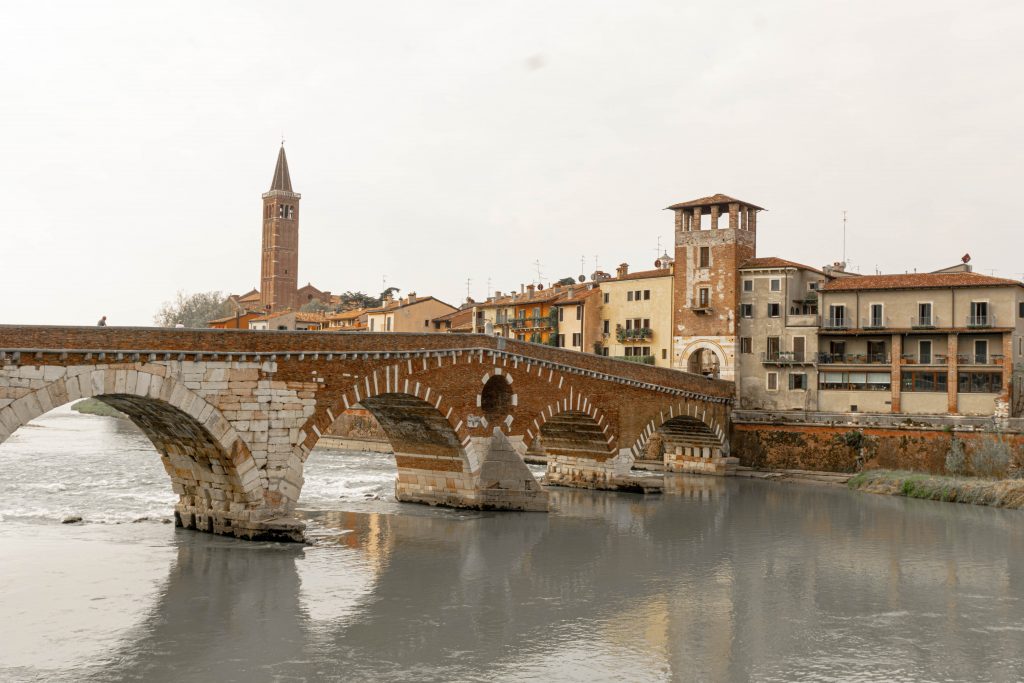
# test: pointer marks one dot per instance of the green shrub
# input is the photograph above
(991, 457)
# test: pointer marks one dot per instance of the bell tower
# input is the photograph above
(279, 263)
(706, 297)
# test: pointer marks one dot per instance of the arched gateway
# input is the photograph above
(234, 414)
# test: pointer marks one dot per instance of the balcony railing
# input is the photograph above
(854, 358)
(786, 357)
(916, 359)
(925, 322)
(980, 359)
(874, 323)
(981, 320)
(634, 334)
(835, 323)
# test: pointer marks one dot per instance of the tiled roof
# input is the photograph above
(712, 201)
(642, 274)
(539, 297)
(917, 281)
(347, 315)
(310, 317)
(402, 303)
(229, 318)
(577, 296)
(775, 262)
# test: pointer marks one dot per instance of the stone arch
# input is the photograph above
(210, 466)
(696, 349)
(685, 418)
(497, 385)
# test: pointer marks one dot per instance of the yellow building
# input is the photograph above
(636, 315)
(527, 316)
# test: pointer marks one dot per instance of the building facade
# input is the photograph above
(579, 318)
(409, 314)
(921, 343)
(778, 335)
(706, 297)
(636, 314)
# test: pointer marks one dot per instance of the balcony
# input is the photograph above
(924, 322)
(980, 359)
(874, 323)
(802, 320)
(981, 320)
(528, 322)
(636, 334)
(835, 323)
(854, 359)
(932, 359)
(786, 358)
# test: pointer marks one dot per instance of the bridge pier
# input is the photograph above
(500, 480)
(599, 471)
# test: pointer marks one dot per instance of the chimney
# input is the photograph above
(622, 270)
(412, 297)
(522, 288)
(497, 294)
(529, 291)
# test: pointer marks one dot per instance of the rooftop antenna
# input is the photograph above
(282, 137)
(539, 276)
(844, 236)
(583, 263)
(488, 286)
(657, 251)
(468, 283)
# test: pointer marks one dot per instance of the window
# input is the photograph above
(604, 350)
(636, 295)
(836, 315)
(855, 381)
(773, 381)
(579, 312)
(980, 382)
(576, 337)
(799, 347)
(748, 285)
(703, 297)
(775, 285)
(924, 350)
(606, 326)
(647, 294)
(875, 319)
(387, 324)
(925, 380)
(745, 345)
(924, 314)
(746, 310)
(876, 351)
(980, 351)
(647, 323)
(705, 257)
(798, 380)
(372, 321)
(664, 354)
(536, 313)
(979, 313)
(629, 295)
(1020, 309)
(813, 286)
(561, 341)
(426, 323)
(773, 310)
(772, 346)
(606, 300)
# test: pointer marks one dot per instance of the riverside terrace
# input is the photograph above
(234, 413)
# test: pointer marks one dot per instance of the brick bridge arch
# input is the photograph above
(210, 467)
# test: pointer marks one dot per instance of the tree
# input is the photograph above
(193, 310)
(386, 293)
(315, 306)
(566, 281)
(350, 300)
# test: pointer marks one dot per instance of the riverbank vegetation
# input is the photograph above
(1006, 493)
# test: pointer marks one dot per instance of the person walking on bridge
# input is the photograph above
(102, 322)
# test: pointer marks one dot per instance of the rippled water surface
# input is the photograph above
(715, 580)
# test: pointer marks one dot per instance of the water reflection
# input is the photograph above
(729, 580)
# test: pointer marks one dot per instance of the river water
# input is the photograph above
(718, 579)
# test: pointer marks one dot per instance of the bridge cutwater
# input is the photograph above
(234, 413)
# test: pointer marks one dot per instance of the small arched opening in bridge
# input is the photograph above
(496, 399)
(199, 450)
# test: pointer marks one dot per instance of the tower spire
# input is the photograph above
(282, 179)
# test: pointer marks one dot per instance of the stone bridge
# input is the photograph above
(234, 414)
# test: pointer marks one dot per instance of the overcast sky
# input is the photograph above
(438, 141)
